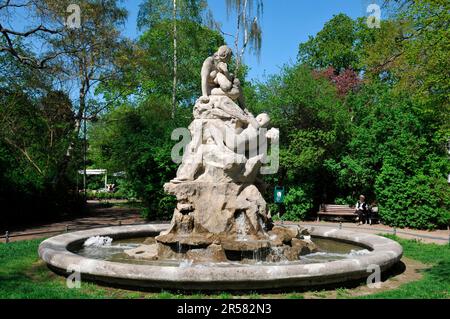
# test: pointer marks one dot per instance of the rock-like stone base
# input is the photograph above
(280, 244)
(207, 212)
(223, 221)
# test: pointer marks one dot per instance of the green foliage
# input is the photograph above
(138, 127)
(349, 200)
(335, 45)
(393, 158)
(154, 73)
(298, 202)
(143, 135)
(147, 65)
(313, 127)
(419, 201)
(34, 136)
(393, 146)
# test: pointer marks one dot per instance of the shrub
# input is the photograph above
(418, 201)
(298, 203)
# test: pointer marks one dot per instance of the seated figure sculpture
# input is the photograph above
(216, 79)
(220, 125)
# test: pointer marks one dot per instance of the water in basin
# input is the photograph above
(328, 250)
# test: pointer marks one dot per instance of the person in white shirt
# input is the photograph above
(362, 209)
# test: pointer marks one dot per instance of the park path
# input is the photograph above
(101, 216)
(441, 237)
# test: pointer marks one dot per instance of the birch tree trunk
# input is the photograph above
(175, 60)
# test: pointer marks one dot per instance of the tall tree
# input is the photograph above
(152, 12)
(76, 59)
(333, 46)
(175, 59)
(12, 38)
(248, 27)
(90, 57)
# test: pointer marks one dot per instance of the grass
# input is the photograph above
(23, 275)
(436, 279)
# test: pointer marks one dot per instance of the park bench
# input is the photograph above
(342, 212)
(336, 212)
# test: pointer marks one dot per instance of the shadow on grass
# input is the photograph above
(440, 271)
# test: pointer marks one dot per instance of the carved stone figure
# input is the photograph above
(220, 207)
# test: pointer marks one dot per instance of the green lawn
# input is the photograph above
(23, 275)
(436, 279)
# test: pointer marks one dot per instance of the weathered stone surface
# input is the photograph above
(189, 240)
(148, 252)
(284, 234)
(149, 241)
(291, 252)
(245, 245)
(55, 252)
(218, 201)
(213, 253)
(304, 246)
(218, 209)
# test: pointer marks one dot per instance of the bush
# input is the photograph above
(349, 200)
(298, 203)
(419, 201)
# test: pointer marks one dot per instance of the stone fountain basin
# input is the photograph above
(56, 252)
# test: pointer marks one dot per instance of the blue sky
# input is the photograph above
(286, 23)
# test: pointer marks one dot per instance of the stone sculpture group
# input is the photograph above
(220, 213)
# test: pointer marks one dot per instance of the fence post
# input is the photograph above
(7, 237)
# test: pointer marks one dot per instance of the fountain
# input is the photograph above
(221, 235)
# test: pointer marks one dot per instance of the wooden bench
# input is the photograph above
(336, 212)
(341, 212)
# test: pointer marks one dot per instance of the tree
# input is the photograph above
(248, 28)
(147, 70)
(175, 59)
(333, 46)
(13, 39)
(412, 52)
(143, 135)
(140, 124)
(391, 146)
(313, 128)
(393, 157)
(89, 58)
(153, 12)
(34, 134)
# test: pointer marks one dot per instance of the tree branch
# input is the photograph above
(25, 153)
